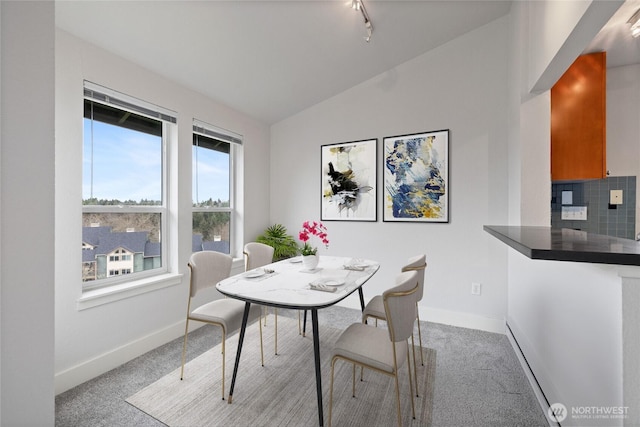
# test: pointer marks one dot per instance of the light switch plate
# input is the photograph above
(615, 197)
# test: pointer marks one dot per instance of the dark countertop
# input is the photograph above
(561, 244)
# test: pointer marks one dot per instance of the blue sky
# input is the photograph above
(127, 165)
(213, 175)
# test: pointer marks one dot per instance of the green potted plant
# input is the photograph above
(284, 245)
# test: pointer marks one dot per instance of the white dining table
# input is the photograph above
(287, 284)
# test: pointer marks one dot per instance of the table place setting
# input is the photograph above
(258, 274)
(356, 264)
(326, 284)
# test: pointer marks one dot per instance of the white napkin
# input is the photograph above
(322, 287)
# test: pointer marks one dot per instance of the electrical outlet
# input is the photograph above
(476, 288)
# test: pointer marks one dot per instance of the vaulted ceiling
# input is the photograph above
(271, 59)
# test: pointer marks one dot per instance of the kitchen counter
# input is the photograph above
(561, 244)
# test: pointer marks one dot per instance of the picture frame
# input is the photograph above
(416, 177)
(349, 181)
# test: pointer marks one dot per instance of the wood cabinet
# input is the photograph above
(578, 120)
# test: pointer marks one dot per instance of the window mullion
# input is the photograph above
(122, 209)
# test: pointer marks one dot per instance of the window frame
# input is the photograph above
(235, 143)
(168, 119)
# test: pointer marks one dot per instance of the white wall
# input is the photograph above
(552, 23)
(623, 124)
(631, 343)
(458, 86)
(567, 317)
(1, 223)
(535, 149)
(560, 31)
(26, 214)
(91, 341)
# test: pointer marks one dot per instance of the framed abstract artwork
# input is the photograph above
(416, 177)
(349, 180)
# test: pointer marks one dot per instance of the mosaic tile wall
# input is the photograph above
(619, 222)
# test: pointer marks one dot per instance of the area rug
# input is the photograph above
(283, 392)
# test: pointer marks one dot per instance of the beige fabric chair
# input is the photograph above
(382, 350)
(207, 269)
(257, 255)
(375, 307)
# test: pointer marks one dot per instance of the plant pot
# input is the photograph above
(310, 262)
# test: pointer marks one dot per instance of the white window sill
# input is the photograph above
(237, 266)
(97, 297)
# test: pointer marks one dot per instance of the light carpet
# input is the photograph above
(283, 392)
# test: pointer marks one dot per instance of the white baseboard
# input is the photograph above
(540, 397)
(90, 369)
(463, 320)
(447, 317)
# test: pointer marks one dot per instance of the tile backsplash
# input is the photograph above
(595, 195)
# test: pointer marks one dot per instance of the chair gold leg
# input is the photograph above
(275, 311)
(398, 395)
(413, 409)
(364, 320)
(184, 348)
(224, 339)
(419, 335)
(333, 362)
(353, 381)
(415, 364)
(261, 347)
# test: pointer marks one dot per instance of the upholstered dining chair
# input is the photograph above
(207, 268)
(378, 349)
(375, 307)
(256, 255)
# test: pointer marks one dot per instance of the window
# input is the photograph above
(212, 188)
(124, 207)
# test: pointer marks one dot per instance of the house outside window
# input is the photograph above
(213, 187)
(124, 193)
